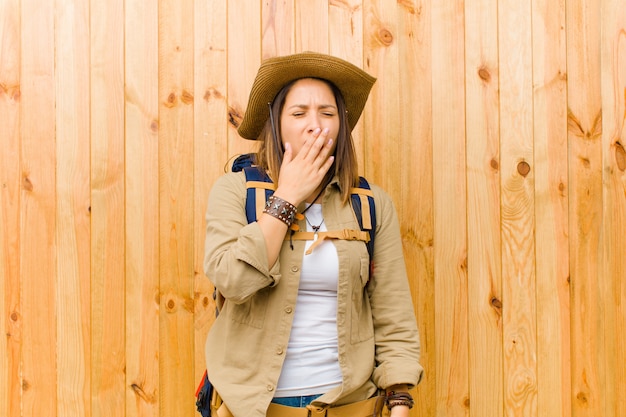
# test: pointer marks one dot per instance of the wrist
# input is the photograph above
(398, 399)
(288, 196)
(281, 209)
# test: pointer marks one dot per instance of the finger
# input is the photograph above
(309, 148)
(287, 155)
(318, 145)
(327, 164)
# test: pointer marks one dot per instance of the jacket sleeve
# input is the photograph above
(235, 257)
(397, 343)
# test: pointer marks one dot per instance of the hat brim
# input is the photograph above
(274, 73)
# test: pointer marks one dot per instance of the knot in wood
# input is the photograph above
(484, 74)
(620, 156)
(171, 100)
(496, 304)
(234, 117)
(385, 36)
(523, 168)
(186, 97)
(27, 184)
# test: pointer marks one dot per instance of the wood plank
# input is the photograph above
(484, 271)
(10, 180)
(380, 117)
(72, 241)
(142, 208)
(450, 228)
(346, 41)
(37, 255)
(108, 370)
(244, 58)
(518, 208)
(551, 208)
(176, 237)
(415, 209)
(311, 25)
(277, 28)
(613, 282)
(210, 150)
(585, 205)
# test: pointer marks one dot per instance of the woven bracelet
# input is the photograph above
(399, 398)
(281, 209)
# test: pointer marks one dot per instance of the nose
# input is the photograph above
(314, 122)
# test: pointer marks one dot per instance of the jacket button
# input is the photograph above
(294, 269)
(279, 351)
(270, 388)
(288, 310)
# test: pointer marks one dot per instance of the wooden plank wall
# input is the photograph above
(498, 127)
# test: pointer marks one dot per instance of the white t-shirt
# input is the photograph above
(311, 364)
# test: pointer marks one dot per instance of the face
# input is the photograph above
(309, 104)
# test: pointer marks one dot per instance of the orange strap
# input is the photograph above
(319, 237)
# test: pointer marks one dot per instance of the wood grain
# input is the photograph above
(415, 175)
(107, 208)
(551, 208)
(381, 61)
(210, 150)
(612, 286)
(585, 209)
(243, 60)
(38, 255)
(449, 205)
(277, 28)
(176, 236)
(10, 184)
(483, 212)
(73, 208)
(345, 28)
(517, 209)
(142, 209)
(311, 25)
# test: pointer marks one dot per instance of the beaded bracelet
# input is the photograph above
(399, 398)
(281, 209)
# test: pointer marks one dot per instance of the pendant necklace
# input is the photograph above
(315, 228)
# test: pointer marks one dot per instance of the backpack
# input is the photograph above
(259, 187)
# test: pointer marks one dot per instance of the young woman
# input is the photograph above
(310, 324)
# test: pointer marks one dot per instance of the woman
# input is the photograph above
(304, 328)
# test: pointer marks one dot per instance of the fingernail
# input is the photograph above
(330, 142)
(317, 131)
(326, 130)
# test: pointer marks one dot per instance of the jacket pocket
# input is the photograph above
(252, 312)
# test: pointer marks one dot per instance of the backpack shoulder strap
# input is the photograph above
(364, 207)
(243, 161)
(259, 187)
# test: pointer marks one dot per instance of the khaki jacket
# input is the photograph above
(378, 340)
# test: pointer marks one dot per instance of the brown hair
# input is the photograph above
(345, 165)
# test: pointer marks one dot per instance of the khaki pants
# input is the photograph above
(373, 407)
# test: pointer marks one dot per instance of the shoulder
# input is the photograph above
(231, 179)
(231, 184)
(380, 195)
(384, 206)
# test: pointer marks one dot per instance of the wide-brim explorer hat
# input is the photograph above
(274, 73)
